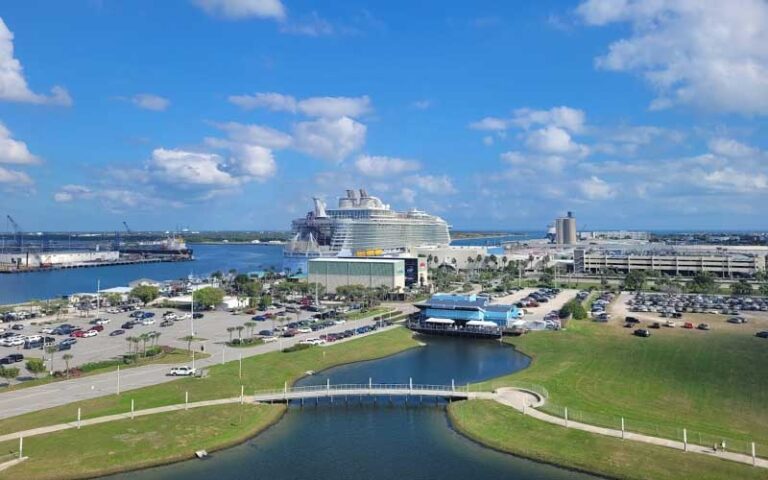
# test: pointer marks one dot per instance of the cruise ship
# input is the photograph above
(361, 226)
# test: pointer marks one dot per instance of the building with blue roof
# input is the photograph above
(463, 309)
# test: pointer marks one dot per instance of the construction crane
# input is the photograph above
(127, 228)
(17, 233)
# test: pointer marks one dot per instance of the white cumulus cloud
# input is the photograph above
(325, 107)
(240, 9)
(256, 135)
(329, 139)
(434, 184)
(273, 101)
(381, 166)
(148, 101)
(711, 54)
(554, 140)
(13, 85)
(190, 168)
(14, 178)
(595, 188)
(729, 147)
(14, 151)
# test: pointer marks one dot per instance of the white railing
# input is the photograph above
(361, 387)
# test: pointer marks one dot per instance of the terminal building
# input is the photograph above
(333, 273)
(677, 260)
(461, 311)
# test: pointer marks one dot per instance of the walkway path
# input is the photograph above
(526, 402)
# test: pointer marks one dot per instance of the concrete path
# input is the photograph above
(18, 402)
(527, 402)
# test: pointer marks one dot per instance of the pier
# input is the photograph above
(65, 266)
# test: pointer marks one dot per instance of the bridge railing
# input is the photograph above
(394, 387)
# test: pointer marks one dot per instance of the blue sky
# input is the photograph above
(232, 114)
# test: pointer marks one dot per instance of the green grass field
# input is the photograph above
(507, 430)
(368, 313)
(260, 372)
(715, 383)
(112, 447)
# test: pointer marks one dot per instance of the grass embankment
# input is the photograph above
(372, 312)
(712, 383)
(507, 430)
(145, 441)
(260, 372)
(176, 355)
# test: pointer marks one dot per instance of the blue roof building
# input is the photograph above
(468, 308)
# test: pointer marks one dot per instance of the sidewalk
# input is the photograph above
(525, 402)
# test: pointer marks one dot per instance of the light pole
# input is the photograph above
(192, 317)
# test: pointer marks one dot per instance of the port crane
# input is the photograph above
(127, 228)
(17, 232)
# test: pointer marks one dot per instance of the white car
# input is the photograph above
(313, 341)
(46, 330)
(268, 339)
(340, 322)
(90, 333)
(113, 310)
(183, 316)
(102, 321)
(148, 321)
(304, 330)
(12, 341)
(183, 371)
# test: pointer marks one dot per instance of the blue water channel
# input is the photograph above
(365, 440)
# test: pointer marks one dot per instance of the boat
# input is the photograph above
(361, 226)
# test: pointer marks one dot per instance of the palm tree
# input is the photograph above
(240, 329)
(230, 330)
(144, 337)
(67, 357)
(136, 341)
(189, 339)
(157, 338)
(504, 261)
(130, 340)
(50, 351)
(250, 326)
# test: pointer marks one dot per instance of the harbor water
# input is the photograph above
(21, 287)
(377, 441)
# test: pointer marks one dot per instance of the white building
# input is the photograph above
(368, 272)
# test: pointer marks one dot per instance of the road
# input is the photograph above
(54, 394)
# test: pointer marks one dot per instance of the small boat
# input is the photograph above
(309, 372)
(201, 454)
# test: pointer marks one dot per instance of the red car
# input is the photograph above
(77, 333)
(98, 328)
(687, 325)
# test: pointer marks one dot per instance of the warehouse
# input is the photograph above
(368, 272)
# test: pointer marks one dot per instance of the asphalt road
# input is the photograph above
(31, 399)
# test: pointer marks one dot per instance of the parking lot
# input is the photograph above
(713, 310)
(210, 331)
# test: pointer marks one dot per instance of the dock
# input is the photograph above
(10, 269)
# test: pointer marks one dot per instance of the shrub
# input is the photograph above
(296, 348)
(574, 309)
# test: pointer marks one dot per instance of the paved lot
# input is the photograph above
(46, 396)
(212, 328)
(537, 313)
(757, 320)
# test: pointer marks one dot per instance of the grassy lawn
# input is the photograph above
(372, 312)
(177, 355)
(266, 371)
(144, 441)
(715, 383)
(505, 429)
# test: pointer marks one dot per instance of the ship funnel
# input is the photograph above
(363, 193)
(350, 194)
(319, 208)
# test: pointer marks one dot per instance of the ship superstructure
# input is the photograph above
(362, 225)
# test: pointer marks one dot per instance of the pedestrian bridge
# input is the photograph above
(370, 389)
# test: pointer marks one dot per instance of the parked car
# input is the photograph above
(656, 325)
(77, 333)
(18, 326)
(642, 332)
(269, 339)
(64, 346)
(265, 333)
(127, 325)
(670, 324)
(98, 328)
(166, 323)
(762, 334)
(703, 326)
(688, 325)
(197, 316)
(47, 330)
(182, 371)
(68, 341)
(90, 333)
(102, 321)
(117, 332)
(737, 320)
